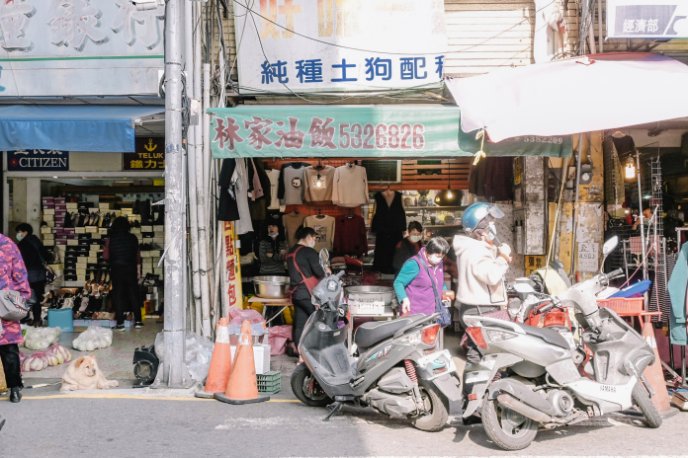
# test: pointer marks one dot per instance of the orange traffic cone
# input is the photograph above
(654, 375)
(242, 387)
(220, 363)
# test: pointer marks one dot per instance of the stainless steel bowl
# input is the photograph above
(370, 293)
(271, 286)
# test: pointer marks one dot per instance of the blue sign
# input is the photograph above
(37, 160)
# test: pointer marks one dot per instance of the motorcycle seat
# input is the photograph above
(548, 335)
(368, 334)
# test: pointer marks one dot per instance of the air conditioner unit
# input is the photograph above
(382, 171)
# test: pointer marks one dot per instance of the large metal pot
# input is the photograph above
(271, 286)
(370, 300)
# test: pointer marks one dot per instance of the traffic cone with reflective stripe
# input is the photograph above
(220, 362)
(242, 387)
(654, 374)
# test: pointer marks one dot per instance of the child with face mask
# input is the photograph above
(420, 277)
(409, 246)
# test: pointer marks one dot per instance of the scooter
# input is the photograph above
(398, 371)
(539, 383)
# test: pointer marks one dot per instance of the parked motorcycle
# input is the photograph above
(398, 370)
(540, 383)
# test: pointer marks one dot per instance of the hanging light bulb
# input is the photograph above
(449, 194)
(629, 168)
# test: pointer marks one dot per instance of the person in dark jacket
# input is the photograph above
(409, 246)
(35, 258)
(272, 252)
(122, 252)
(305, 271)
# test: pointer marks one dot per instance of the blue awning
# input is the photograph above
(96, 128)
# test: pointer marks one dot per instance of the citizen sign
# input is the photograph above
(37, 160)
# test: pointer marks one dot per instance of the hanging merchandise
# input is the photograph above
(291, 184)
(350, 236)
(292, 221)
(350, 186)
(319, 183)
(677, 293)
(324, 229)
(273, 176)
(241, 185)
(492, 178)
(389, 223)
(227, 208)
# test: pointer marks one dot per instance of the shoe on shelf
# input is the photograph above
(119, 327)
(15, 395)
(138, 325)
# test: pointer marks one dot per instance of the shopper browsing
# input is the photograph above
(13, 276)
(35, 258)
(305, 272)
(409, 246)
(421, 279)
(122, 252)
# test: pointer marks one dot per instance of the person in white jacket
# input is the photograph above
(482, 263)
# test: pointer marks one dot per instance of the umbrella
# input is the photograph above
(582, 94)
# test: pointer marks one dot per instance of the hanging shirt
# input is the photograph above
(350, 186)
(274, 176)
(240, 180)
(291, 184)
(319, 184)
(324, 229)
(292, 221)
(350, 236)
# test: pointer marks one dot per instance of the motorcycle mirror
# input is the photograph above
(607, 248)
(609, 245)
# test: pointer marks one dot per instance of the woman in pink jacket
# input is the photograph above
(13, 277)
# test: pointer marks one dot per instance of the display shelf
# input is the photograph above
(436, 207)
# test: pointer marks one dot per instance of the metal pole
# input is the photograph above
(574, 216)
(640, 210)
(174, 373)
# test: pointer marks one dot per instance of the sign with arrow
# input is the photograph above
(149, 155)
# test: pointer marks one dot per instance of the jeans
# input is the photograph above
(9, 354)
(125, 292)
(303, 308)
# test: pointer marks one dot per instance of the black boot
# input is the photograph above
(15, 394)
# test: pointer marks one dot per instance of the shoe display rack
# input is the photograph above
(77, 231)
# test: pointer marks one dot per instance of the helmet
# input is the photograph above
(475, 213)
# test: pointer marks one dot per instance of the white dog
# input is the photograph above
(83, 374)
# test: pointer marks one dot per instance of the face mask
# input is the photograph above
(273, 235)
(435, 259)
(20, 236)
(491, 232)
(414, 238)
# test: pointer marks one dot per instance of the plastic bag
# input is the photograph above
(197, 355)
(93, 338)
(57, 354)
(34, 362)
(238, 316)
(40, 338)
(278, 337)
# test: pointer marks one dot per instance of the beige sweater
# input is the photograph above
(350, 187)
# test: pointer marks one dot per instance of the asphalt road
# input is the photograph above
(175, 426)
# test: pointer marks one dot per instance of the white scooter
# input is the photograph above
(541, 383)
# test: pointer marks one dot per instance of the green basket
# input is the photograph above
(269, 382)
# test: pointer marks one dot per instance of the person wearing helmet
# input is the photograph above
(482, 263)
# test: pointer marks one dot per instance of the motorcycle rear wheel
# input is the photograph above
(306, 388)
(506, 428)
(437, 418)
(641, 398)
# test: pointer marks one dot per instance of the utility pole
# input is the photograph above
(174, 371)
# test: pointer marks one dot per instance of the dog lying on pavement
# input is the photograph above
(83, 374)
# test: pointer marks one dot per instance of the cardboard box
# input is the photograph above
(48, 211)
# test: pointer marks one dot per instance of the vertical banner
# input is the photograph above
(232, 268)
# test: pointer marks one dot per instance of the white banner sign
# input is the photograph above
(79, 48)
(334, 45)
(587, 257)
(647, 18)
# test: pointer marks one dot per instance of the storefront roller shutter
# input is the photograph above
(487, 34)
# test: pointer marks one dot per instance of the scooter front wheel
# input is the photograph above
(640, 397)
(508, 429)
(306, 388)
